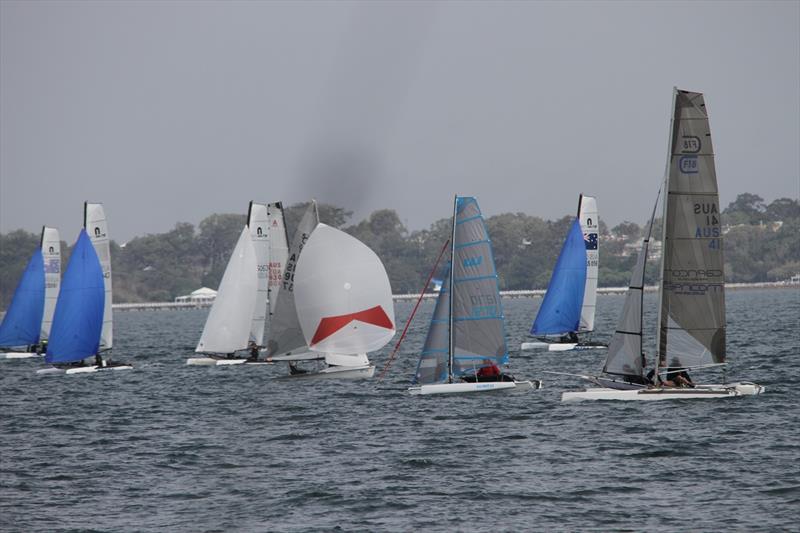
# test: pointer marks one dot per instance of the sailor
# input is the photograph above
(98, 360)
(490, 372)
(253, 351)
(570, 337)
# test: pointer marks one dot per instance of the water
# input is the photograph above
(168, 447)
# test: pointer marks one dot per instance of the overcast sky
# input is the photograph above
(171, 111)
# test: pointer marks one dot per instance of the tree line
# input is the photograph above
(159, 267)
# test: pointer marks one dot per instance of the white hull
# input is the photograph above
(305, 356)
(82, 369)
(339, 372)
(19, 355)
(210, 361)
(463, 387)
(558, 347)
(699, 391)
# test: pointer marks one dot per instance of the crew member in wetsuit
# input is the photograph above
(253, 351)
(98, 360)
(570, 337)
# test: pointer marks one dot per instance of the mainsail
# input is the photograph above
(258, 224)
(692, 296)
(22, 323)
(477, 320)
(51, 253)
(227, 327)
(587, 214)
(560, 311)
(285, 334)
(94, 221)
(78, 319)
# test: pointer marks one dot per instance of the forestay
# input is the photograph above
(94, 221)
(478, 331)
(343, 296)
(51, 253)
(692, 311)
(285, 335)
(227, 328)
(78, 318)
(560, 311)
(23, 320)
(587, 214)
(258, 224)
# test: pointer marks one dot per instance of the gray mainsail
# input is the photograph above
(692, 296)
(286, 337)
(477, 320)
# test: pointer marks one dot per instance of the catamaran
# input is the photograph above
(691, 323)
(569, 305)
(467, 331)
(26, 325)
(344, 303)
(83, 320)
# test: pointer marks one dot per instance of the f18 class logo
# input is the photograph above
(690, 144)
(688, 164)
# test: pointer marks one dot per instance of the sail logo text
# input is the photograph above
(472, 261)
(688, 164)
(690, 144)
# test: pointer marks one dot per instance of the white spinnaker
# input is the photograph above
(258, 223)
(51, 253)
(227, 327)
(589, 225)
(278, 251)
(338, 275)
(94, 220)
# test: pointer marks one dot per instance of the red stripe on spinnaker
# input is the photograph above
(331, 324)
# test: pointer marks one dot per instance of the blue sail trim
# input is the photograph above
(561, 309)
(467, 220)
(473, 243)
(78, 318)
(23, 321)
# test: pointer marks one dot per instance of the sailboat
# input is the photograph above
(28, 319)
(82, 320)
(569, 305)
(691, 323)
(467, 331)
(230, 320)
(344, 303)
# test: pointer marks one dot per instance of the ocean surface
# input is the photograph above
(167, 447)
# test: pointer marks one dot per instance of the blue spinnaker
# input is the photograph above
(78, 319)
(561, 309)
(23, 321)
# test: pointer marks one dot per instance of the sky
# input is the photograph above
(172, 111)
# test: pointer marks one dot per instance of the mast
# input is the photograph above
(452, 290)
(661, 344)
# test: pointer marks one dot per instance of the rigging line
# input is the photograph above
(413, 312)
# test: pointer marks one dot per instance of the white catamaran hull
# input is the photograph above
(558, 347)
(82, 369)
(19, 355)
(210, 361)
(338, 372)
(463, 387)
(700, 391)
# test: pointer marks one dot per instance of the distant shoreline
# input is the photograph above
(534, 293)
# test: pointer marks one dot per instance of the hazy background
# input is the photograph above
(170, 111)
